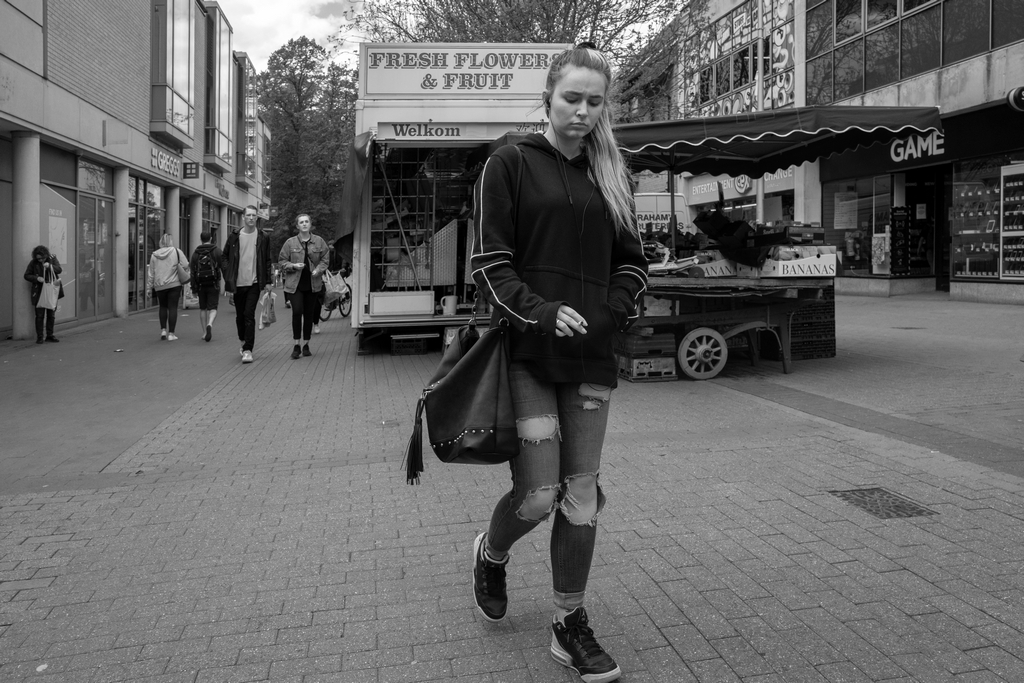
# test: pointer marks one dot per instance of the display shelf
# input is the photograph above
(1011, 233)
(975, 227)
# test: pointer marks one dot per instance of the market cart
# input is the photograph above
(707, 313)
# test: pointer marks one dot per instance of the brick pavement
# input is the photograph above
(260, 527)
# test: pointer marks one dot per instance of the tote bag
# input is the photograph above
(51, 289)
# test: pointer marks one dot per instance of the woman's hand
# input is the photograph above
(568, 321)
(39, 279)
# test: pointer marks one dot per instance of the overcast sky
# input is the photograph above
(262, 26)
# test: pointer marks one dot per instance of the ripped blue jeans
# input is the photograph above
(561, 429)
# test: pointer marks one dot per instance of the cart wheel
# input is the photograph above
(345, 305)
(702, 353)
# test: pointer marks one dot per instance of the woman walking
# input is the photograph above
(36, 273)
(162, 281)
(567, 270)
(303, 260)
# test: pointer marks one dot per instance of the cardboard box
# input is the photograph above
(821, 265)
(717, 265)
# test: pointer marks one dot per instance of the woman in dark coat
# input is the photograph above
(35, 273)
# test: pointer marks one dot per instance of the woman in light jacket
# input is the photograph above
(303, 260)
(162, 282)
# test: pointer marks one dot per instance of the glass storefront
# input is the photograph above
(95, 251)
(211, 220)
(986, 215)
(146, 216)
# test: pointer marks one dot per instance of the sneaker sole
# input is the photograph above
(565, 659)
(476, 553)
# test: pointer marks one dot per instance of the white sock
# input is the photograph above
(491, 556)
(561, 614)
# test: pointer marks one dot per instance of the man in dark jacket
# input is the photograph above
(205, 266)
(247, 271)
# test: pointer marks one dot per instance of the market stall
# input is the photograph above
(748, 282)
(427, 118)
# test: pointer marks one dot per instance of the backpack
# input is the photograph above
(206, 268)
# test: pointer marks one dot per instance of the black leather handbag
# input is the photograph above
(468, 404)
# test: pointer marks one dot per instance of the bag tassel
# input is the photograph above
(414, 451)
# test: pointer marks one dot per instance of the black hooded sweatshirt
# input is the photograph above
(562, 248)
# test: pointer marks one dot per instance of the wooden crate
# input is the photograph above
(648, 368)
(660, 344)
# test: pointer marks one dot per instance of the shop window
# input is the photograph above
(849, 22)
(741, 61)
(220, 114)
(211, 220)
(722, 78)
(975, 210)
(819, 80)
(94, 178)
(173, 71)
(707, 79)
(1007, 22)
(849, 70)
(914, 4)
(919, 43)
(964, 29)
(881, 57)
(819, 29)
(245, 161)
(880, 11)
(779, 50)
(855, 215)
(146, 218)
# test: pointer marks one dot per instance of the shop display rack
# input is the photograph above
(1011, 265)
(974, 230)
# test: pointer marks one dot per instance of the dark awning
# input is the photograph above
(759, 142)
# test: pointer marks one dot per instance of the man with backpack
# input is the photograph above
(205, 266)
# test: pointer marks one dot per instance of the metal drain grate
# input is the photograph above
(883, 504)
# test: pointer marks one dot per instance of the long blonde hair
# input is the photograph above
(166, 240)
(607, 168)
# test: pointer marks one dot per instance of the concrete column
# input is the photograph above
(25, 190)
(173, 216)
(195, 218)
(121, 243)
(807, 193)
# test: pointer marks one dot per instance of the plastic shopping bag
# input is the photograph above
(334, 286)
(267, 317)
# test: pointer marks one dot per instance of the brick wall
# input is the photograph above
(100, 51)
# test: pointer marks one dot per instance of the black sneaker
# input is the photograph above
(489, 583)
(573, 645)
(306, 351)
(296, 352)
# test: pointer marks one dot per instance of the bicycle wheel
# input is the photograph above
(345, 305)
(325, 311)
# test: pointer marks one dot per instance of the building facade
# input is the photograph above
(119, 123)
(940, 212)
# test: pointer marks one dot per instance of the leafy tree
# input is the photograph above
(308, 102)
